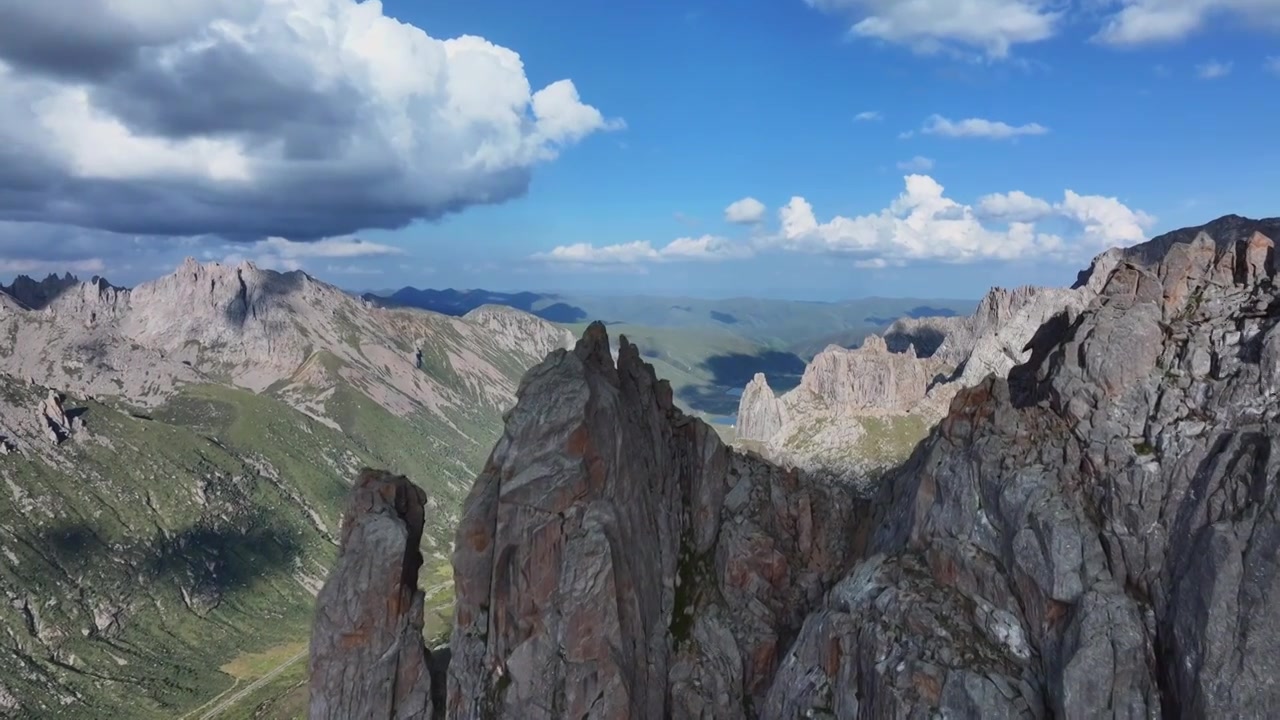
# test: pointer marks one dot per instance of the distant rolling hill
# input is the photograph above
(801, 327)
(709, 349)
(461, 302)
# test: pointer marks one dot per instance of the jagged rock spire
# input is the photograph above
(367, 655)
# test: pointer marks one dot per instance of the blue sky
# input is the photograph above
(1154, 114)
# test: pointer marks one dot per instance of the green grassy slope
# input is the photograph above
(144, 554)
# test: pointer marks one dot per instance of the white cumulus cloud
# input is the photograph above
(1140, 22)
(1106, 220)
(928, 26)
(866, 115)
(1015, 206)
(256, 118)
(978, 128)
(279, 253)
(924, 224)
(993, 28)
(345, 247)
(746, 211)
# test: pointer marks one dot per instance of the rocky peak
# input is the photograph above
(761, 414)
(252, 316)
(616, 560)
(1225, 233)
(867, 378)
(367, 655)
(36, 295)
(92, 301)
(1001, 303)
(517, 329)
(229, 296)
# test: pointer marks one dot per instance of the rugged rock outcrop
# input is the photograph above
(616, 560)
(1095, 535)
(838, 382)
(868, 378)
(1101, 528)
(822, 424)
(52, 418)
(825, 425)
(367, 655)
(761, 413)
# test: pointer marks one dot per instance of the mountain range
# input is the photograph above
(707, 349)
(964, 515)
(175, 460)
(1090, 532)
(795, 326)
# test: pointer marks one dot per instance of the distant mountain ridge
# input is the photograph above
(461, 302)
(846, 395)
(35, 294)
(800, 327)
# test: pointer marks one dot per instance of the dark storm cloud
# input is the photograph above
(291, 204)
(228, 89)
(90, 39)
(30, 39)
(143, 118)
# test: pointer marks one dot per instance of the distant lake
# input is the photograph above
(723, 419)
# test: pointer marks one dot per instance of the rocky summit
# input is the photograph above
(1094, 534)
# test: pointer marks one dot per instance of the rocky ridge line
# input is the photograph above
(262, 331)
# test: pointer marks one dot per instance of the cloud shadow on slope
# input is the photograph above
(920, 311)
(200, 558)
(730, 372)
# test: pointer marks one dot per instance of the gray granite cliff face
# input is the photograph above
(761, 413)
